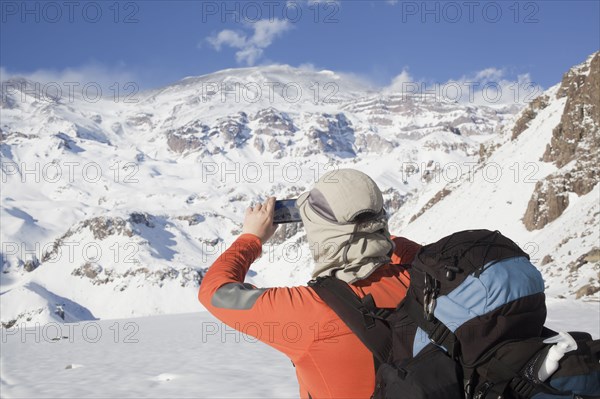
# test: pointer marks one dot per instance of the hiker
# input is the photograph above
(347, 232)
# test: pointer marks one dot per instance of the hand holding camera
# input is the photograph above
(259, 220)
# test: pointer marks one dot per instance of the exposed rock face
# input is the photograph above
(99, 276)
(485, 151)
(546, 259)
(6, 135)
(528, 114)
(192, 219)
(259, 144)
(436, 198)
(31, 265)
(141, 218)
(574, 146)
(23, 316)
(576, 135)
(273, 132)
(333, 133)
(273, 122)
(102, 227)
(446, 147)
(586, 290)
(277, 147)
(189, 137)
(285, 232)
(392, 200)
(453, 129)
(550, 198)
(141, 120)
(88, 270)
(593, 256)
(182, 144)
(371, 142)
(234, 129)
(449, 116)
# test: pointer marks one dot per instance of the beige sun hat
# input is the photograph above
(346, 225)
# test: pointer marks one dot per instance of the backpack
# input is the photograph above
(471, 326)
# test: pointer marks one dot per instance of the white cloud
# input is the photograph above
(399, 81)
(248, 55)
(250, 47)
(492, 87)
(489, 74)
(4, 75)
(266, 31)
(227, 37)
(307, 66)
(392, 2)
(489, 86)
(92, 73)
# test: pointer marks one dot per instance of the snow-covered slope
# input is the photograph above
(115, 209)
(551, 209)
(168, 356)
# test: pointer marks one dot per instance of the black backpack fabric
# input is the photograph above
(471, 326)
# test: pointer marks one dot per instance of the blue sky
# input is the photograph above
(158, 42)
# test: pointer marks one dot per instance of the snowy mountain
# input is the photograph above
(539, 185)
(115, 208)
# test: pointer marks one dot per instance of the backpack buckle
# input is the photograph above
(429, 307)
(483, 390)
(430, 293)
(523, 387)
(368, 318)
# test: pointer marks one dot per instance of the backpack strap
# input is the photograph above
(513, 367)
(438, 332)
(365, 320)
(499, 376)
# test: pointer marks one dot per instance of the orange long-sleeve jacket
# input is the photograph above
(330, 361)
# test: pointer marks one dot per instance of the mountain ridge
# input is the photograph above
(149, 193)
